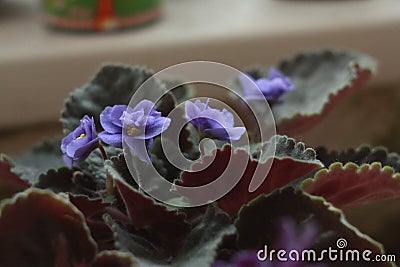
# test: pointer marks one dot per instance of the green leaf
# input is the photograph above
(259, 221)
(39, 228)
(361, 155)
(41, 158)
(93, 210)
(113, 84)
(93, 166)
(292, 161)
(67, 180)
(10, 183)
(321, 80)
(352, 185)
(168, 227)
(199, 249)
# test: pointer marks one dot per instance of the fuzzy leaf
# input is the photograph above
(10, 183)
(199, 248)
(181, 92)
(93, 210)
(117, 167)
(112, 85)
(259, 221)
(67, 180)
(351, 185)
(291, 162)
(39, 228)
(361, 155)
(321, 80)
(144, 212)
(115, 259)
(168, 227)
(93, 166)
(39, 160)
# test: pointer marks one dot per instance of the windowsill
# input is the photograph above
(39, 67)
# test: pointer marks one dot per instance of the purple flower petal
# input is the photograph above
(276, 88)
(228, 117)
(77, 145)
(157, 127)
(226, 134)
(79, 149)
(214, 123)
(191, 110)
(274, 73)
(146, 105)
(110, 118)
(66, 141)
(68, 161)
(272, 88)
(141, 124)
(249, 85)
(114, 140)
(138, 147)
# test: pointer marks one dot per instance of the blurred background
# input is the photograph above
(50, 47)
(41, 64)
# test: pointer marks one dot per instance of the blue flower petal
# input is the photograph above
(77, 145)
(226, 134)
(110, 118)
(114, 140)
(157, 127)
(138, 148)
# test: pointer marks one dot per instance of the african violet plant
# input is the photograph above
(74, 202)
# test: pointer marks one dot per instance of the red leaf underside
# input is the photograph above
(282, 172)
(351, 186)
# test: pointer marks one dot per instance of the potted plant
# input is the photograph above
(74, 201)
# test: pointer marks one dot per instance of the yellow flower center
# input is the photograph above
(132, 131)
(81, 136)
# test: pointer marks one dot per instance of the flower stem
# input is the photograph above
(103, 152)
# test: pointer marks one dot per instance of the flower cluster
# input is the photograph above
(138, 127)
(272, 88)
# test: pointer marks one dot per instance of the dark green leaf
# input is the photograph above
(67, 180)
(321, 80)
(259, 221)
(93, 166)
(39, 228)
(169, 228)
(199, 248)
(361, 155)
(10, 183)
(93, 210)
(39, 160)
(112, 85)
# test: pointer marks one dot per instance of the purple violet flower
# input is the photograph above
(291, 238)
(272, 88)
(141, 125)
(77, 145)
(213, 122)
(112, 121)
